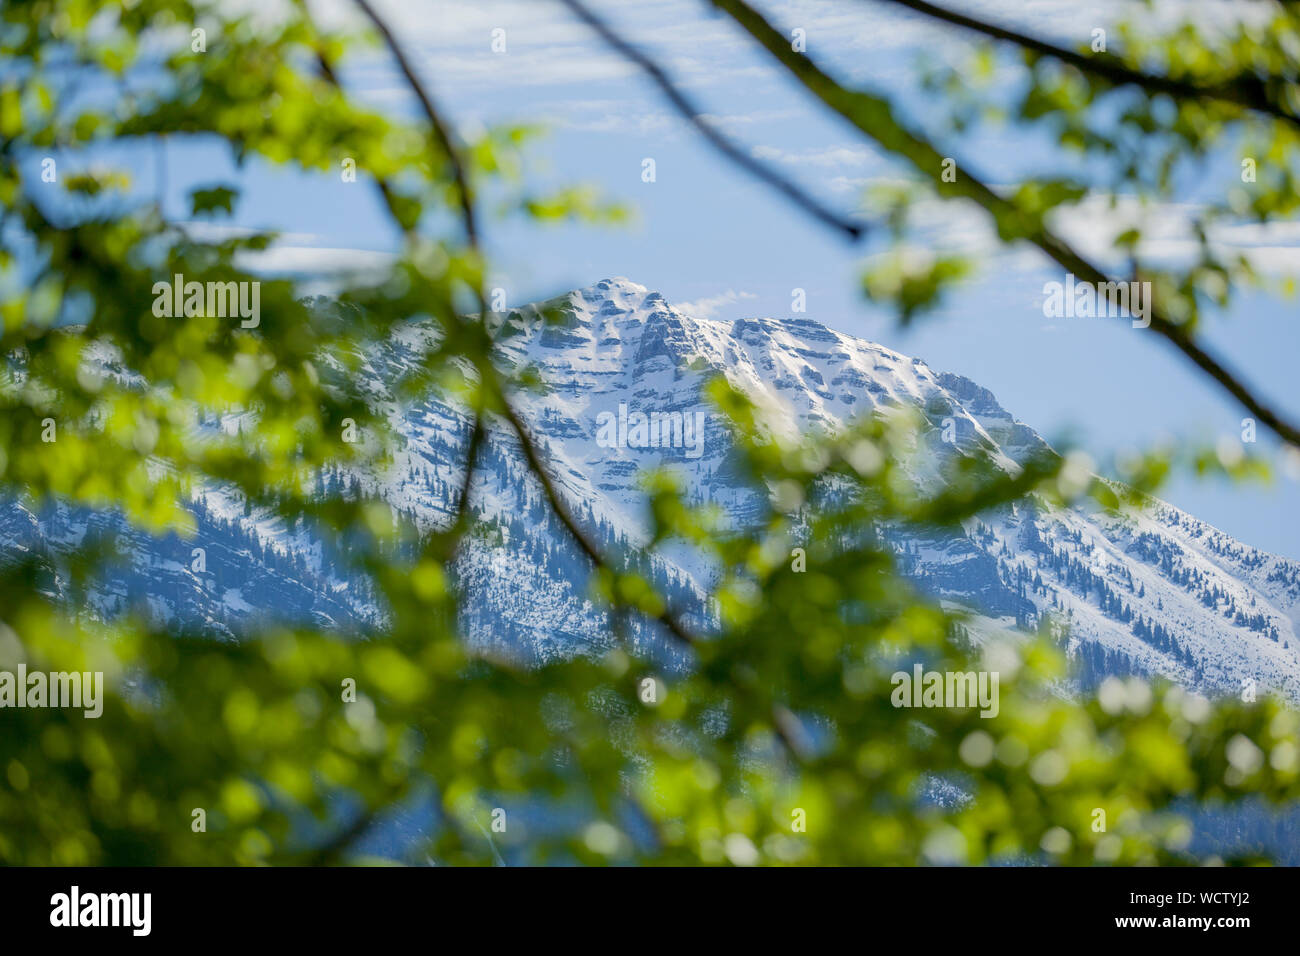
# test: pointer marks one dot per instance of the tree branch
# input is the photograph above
(873, 115)
(585, 544)
(730, 150)
(487, 374)
(467, 215)
(441, 131)
(1244, 91)
(476, 437)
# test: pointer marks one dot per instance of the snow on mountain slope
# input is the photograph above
(1155, 592)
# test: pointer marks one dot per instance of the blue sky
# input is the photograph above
(712, 240)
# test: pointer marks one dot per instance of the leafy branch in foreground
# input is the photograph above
(771, 735)
(874, 116)
(1244, 89)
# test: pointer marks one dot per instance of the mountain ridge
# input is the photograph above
(1153, 592)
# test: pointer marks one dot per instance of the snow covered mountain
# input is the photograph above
(623, 372)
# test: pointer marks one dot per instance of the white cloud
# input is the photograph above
(293, 253)
(1168, 238)
(824, 156)
(323, 261)
(708, 307)
(849, 184)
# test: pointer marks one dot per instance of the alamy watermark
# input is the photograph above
(75, 689)
(652, 430)
(923, 688)
(133, 911)
(181, 299)
(1088, 300)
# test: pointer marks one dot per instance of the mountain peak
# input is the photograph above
(1132, 592)
(614, 287)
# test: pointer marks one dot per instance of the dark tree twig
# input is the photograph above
(488, 375)
(441, 131)
(684, 106)
(873, 116)
(1245, 90)
(487, 372)
(585, 544)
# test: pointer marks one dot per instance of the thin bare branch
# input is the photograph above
(488, 376)
(441, 131)
(585, 544)
(734, 153)
(477, 432)
(476, 436)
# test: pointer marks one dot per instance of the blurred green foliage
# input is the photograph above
(778, 742)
